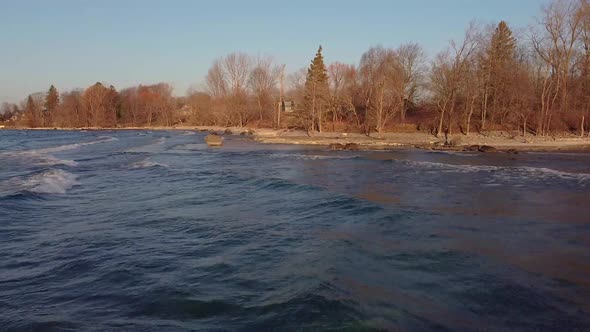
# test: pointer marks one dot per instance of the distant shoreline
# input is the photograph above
(502, 141)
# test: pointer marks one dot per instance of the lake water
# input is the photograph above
(154, 231)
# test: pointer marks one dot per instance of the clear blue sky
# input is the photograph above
(74, 43)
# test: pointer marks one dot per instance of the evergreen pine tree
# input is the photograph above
(502, 47)
(51, 103)
(31, 116)
(498, 63)
(115, 110)
(316, 91)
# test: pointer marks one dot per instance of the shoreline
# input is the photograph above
(502, 141)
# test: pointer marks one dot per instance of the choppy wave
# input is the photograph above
(300, 156)
(147, 164)
(49, 160)
(51, 182)
(147, 147)
(248, 236)
(561, 174)
(54, 181)
(44, 156)
(526, 170)
(102, 139)
(451, 167)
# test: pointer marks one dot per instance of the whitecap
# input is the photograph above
(50, 182)
(542, 171)
(102, 139)
(44, 156)
(452, 167)
(506, 172)
(310, 156)
(147, 164)
(50, 160)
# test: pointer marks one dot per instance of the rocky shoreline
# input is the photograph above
(485, 143)
(494, 142)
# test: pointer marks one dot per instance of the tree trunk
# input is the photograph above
(441, 120)
(450, 113)
(260, 108)
(320, 119)
(484, 110)
(313, 117)
(469, 118)
(279, 110)
(334, 118)
(380, 113)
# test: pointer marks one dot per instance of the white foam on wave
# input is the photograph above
(147, 164)
(50, 182)
(452, 167)
(309, 156)
(102, 139)
(147, 147)
(556, 173)
(501, 171)
(50, 160)
(44, 156)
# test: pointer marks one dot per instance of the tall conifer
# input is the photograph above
(316, 91)
(51, 103)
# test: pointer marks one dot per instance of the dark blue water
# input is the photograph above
(154, 231)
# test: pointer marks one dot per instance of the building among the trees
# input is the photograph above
(287, 106)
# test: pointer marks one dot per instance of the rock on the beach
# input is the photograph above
(471, 148)
(351, 146)
(228, 132)
(487, 148)
(246, 133)
(336, 146)
(438, 143)
(214, 140)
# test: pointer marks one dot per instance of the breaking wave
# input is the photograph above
(556, 173)
(147, 164)
(51, 182)
(521, 170)
(44, 156)
(67, 147)
(311, 156)
(452, 167)
(54, 181)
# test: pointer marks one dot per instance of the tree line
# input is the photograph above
(533, 81)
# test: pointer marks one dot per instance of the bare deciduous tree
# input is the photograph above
(263, 80)
(448, 73)
(412, 61)
(381, 79)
